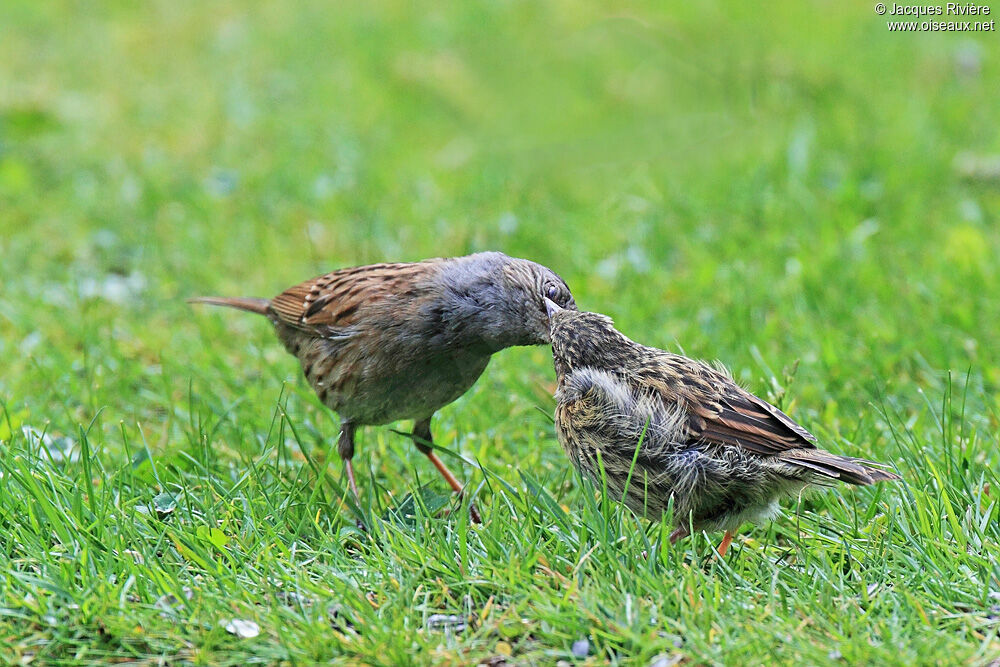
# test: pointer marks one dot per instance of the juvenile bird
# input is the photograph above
(387, 342)
(720, 453)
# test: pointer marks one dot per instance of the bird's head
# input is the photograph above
(528, 286)
(584, 340)
(500, 300)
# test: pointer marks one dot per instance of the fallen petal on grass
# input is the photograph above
(242, 628)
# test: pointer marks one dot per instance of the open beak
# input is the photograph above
(551, 307)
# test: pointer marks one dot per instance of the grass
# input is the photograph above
(790, 189)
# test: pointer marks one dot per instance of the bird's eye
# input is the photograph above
(552, 292)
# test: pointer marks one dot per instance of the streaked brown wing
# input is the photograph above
(338, 300)
(723, 412)
(742, 419)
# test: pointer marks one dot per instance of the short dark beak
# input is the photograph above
(551, 307)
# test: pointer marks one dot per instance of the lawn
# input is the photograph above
(787, 187)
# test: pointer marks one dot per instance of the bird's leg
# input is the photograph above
(680, 532)
(422, 439)
(727, 539)
(345, 447)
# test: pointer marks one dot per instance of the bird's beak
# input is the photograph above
(551, 307)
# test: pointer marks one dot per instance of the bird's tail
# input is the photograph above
(843, 468)
(243, 303)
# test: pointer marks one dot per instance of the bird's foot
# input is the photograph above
(474, 513)
(453, 482)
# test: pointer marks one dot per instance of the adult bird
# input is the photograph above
(387, 342)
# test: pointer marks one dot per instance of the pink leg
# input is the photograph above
(727, 539)
(351, 481)
(345, 447)
(422, 436)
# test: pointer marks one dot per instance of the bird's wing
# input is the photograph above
(336, 301)
(722, 412)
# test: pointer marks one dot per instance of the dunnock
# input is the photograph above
(386, 342)
(720, 453)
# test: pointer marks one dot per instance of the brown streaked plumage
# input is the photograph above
(720, 454)
(386, 342)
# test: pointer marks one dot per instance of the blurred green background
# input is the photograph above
(785, 186)
(724, 177)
